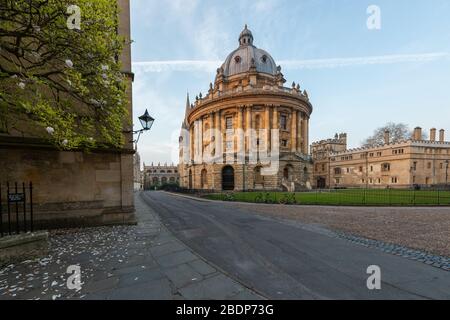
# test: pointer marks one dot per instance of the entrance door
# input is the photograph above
(190, 179)
(321, 183)
(228, 178)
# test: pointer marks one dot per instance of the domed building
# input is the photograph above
(249, 132)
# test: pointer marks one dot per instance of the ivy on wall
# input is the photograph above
(60, 74)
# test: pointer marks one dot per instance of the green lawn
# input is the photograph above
(355, 197)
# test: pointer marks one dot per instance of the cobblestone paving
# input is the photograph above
(402, 251)
(424, 229)
(122, 262)
(434, 260)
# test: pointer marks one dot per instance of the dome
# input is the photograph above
(246, 56)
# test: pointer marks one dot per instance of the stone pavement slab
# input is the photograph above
(145, 261)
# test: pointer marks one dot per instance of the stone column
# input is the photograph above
(267, 127)
(275, 125)
(239, 127)
(294, 131)
(299, 132)
(211, 131)
(191, 141)
(200, 134)
(305, 135)
(248, 127)
(218, 136)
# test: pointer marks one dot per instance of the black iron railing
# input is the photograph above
(16, 208)
(345, 197)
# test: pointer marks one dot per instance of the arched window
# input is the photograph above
(288, 172)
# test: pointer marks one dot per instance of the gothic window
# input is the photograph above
(385, 167)
(337, 171)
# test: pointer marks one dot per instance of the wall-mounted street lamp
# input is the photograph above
(147, 122)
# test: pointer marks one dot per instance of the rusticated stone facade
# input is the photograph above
(249, 132)
(413, 162)
(75, 188)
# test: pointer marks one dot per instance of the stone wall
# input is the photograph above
(73, 188)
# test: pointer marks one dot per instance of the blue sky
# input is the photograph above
(357, 79)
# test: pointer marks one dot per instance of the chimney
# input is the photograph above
(442, 135)
(433, 134)
(387, 137)
(417, 133)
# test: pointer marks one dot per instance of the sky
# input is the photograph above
(358, 78)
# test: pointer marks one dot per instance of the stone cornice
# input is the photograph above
(254, 97)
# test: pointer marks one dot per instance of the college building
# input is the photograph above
(159, 175)
(406, 164)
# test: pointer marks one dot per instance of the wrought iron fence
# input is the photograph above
(345, 197)
(16, 208)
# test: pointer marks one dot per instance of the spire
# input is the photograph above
(188, 103)
(188, 108)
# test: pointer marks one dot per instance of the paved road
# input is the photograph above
(284, 260)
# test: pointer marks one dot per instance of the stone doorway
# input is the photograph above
(321, 183)
(228, 178)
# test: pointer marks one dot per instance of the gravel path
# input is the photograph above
(425, 229)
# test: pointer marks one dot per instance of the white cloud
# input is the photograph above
(212, 65)
(177, 65)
